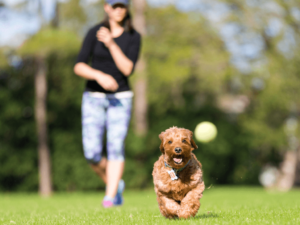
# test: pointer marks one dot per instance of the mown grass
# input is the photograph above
(220, 205)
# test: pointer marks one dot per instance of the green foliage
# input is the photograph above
(78, 17)
(184, 55)
(219, 205)
(72, 11)
(3, 59)
(270, 107)
(17, 134)
(48, 41)
(278, 70)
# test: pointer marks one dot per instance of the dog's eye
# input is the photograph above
(183, 141)
(170, 142)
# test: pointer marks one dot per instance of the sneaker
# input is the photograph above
(118, 200)
(107, 204)
(121, 186)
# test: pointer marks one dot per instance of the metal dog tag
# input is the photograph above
(172, 175)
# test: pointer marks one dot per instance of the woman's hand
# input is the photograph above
(104, 35)
(107, 82)
(103, 79)
(124, 64)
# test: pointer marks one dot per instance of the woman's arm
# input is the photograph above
(82, 69)
(124, 64)
(103, 79)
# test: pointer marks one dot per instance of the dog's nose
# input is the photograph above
(178, 150)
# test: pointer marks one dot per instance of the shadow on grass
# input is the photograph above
(206, 216)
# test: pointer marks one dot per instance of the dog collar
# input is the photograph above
(173, 172)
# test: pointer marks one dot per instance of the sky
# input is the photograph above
(17, 26)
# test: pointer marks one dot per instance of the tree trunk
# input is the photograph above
(287, 171)
(55, 21)
(297, 178)
(45, 186)
(140, 87)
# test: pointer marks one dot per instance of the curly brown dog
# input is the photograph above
(177, 175)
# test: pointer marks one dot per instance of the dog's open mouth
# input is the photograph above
(177, 160)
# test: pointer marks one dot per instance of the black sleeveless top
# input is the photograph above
(101, 59)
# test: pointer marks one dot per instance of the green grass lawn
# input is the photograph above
(219, 205)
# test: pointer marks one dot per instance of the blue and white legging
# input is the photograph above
(106, 113)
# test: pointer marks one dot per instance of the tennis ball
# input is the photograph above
(205, 132)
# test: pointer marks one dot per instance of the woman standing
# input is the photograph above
(113, 47)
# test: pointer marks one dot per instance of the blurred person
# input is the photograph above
(112, 47)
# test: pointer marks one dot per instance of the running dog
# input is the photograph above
(177, 175)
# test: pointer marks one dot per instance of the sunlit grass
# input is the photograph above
(220, 205)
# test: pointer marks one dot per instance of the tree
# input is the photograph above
(140, 86)
(39, 47)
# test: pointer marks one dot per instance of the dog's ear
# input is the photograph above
(161, 137)
(193, 144)
(192, 140)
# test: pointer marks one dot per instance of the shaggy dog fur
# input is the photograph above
(178, 198)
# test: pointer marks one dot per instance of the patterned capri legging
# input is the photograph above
(98, 115)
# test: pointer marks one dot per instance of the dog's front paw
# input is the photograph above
(185, 214)
(188, 209)
(168, 207)
(169, 212)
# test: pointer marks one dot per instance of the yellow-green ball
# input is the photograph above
(206, 132)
